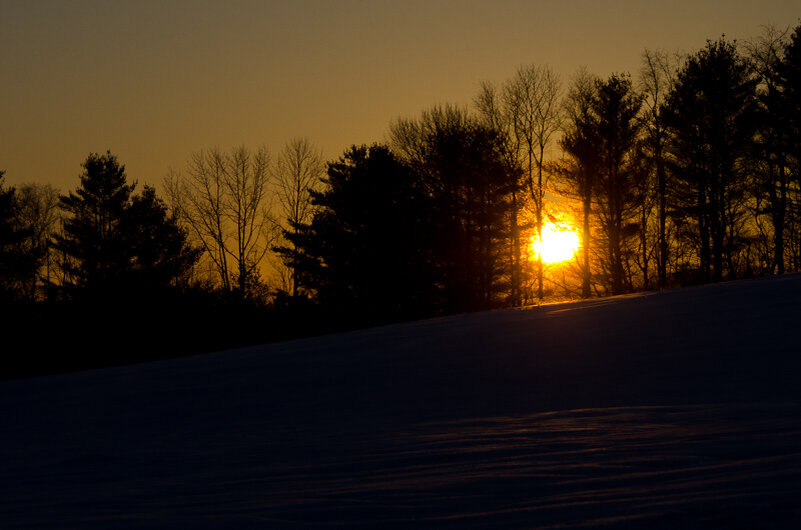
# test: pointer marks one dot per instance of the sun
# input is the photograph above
(558, 243)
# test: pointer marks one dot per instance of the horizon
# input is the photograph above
(157, 83)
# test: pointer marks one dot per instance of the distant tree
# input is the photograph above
(580, 144)
(38, 217)
(160, 255)
(497, 111)
(616, 107)
(365, 252)
(771, 163)
(470, 183)
(92, 236)
(656, 80)
(118, 242)
(789, 84)
(709, 116)
(15, 264)
(532, 97)
(298, 172)
(790, 80)
(223, 199)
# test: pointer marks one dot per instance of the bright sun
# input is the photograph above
(558, 244)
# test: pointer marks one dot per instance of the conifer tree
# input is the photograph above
(710, 123)
(365, 253)
(115, 241)
(92, 235)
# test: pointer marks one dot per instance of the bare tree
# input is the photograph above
(223, 200)
(298, 171)
(409, 138)
(580, 143)
(657, 77)
(497, 113)
(38, 217)
(532, 96)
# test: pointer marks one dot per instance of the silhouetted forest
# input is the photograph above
(686, 172)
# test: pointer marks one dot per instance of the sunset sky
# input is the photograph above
(155, 81)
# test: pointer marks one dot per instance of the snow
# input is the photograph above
(679, 409)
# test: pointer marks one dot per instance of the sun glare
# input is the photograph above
(558, 244)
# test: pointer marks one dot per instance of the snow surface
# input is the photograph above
(679, 409)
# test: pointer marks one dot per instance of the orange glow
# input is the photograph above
(559, 243)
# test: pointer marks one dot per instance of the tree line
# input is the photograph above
(686, 172)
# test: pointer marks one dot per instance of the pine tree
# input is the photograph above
(616, 107)
(117, 242)
(710, 119)
(365, 252)
(156, 243)
(92, 237)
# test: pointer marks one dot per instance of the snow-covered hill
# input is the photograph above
(679, 409)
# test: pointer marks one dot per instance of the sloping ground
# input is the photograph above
(672, 410)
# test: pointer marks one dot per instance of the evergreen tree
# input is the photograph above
(790, 83)
(472, 184)
(580, 143)
(771, 171)
(364, 254)
(117, 242)
(156, 243)
(710, 123)
(616, 107)
(92, 236)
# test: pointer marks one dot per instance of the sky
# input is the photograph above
(155, 81)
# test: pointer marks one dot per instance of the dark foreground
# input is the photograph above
(673, 410)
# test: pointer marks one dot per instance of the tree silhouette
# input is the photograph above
(497, 111)
(789, 81)
(117, 242)
(298, 171)
(617, 108)
(770, 162)
(15, 263)
(710, 120)
(656, 80)
(534, 94)
(160, 255)
(528, 115)
(364, 254)
(223, 199)
(38, 217)
(580, 142)
(92, 234)
(471, 183)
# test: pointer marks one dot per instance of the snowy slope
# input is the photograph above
(679, 409)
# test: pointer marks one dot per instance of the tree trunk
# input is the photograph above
(585, 284)
(662, 191)
(515, 298)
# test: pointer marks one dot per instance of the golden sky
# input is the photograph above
(154, 81)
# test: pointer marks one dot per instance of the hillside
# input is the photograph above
(679, 409)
